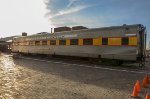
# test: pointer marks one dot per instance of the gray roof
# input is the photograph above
(7, 38)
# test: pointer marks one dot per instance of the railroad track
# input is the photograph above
(88, 64)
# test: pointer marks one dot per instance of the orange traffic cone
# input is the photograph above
(147, 96)
(138, 86)
(135, 92)
(144, 83)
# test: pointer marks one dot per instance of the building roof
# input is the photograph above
(6, 39)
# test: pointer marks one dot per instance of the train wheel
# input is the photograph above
(118, 62)
(141, 64)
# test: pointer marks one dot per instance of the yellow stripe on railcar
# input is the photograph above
(97, 41)
(48, 42)
(80, 41)
(57, 42)
(133, 41)
(68, 42)
(114, 41)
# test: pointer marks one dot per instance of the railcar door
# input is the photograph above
(142, 43)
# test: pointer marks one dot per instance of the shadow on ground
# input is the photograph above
(99, 77)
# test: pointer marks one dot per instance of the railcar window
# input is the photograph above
(52, 42)
(26, 43)
(15, 43)
(21, 43)
(125, 41)
(31, 43)
(74, 42)
(37, 42)
(62, 42)
(44, 42)
(104, 41)
(88, 41)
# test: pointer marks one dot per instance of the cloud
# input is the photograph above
(73, 6)
(72, 2)
(65, 13)
(69, 10)
(69, 15)
(78, 20)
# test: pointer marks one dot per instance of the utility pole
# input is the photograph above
(51, 30)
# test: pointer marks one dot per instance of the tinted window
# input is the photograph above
(52, 42)
(74, 42)
(26, 43)
(88, 41)
(62, 42)
(15, 43)
(104, 41)
(31, 43)
(37, 42)
(125, 41)
(44, 42)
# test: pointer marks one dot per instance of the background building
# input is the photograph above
(5, 43)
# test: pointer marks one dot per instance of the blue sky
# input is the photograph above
(99, 13)
(96, 13)
(33, 16)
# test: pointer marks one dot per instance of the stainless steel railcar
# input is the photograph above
(124, 43)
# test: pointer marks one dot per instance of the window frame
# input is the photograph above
(74, 41)
(62, 42)
(105, 41)
(37, 44)
(87, 41)
(52, 42)
(123, 42)
(44, 42)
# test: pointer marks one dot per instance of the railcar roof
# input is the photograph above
(90, 29)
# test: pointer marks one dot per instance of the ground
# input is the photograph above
(48, 78)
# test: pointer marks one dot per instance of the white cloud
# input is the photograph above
(69, 10)
(66, 16)
(75, 20)
(71, 2)
(72, 7)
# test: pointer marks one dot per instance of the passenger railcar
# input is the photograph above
(124, 43)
